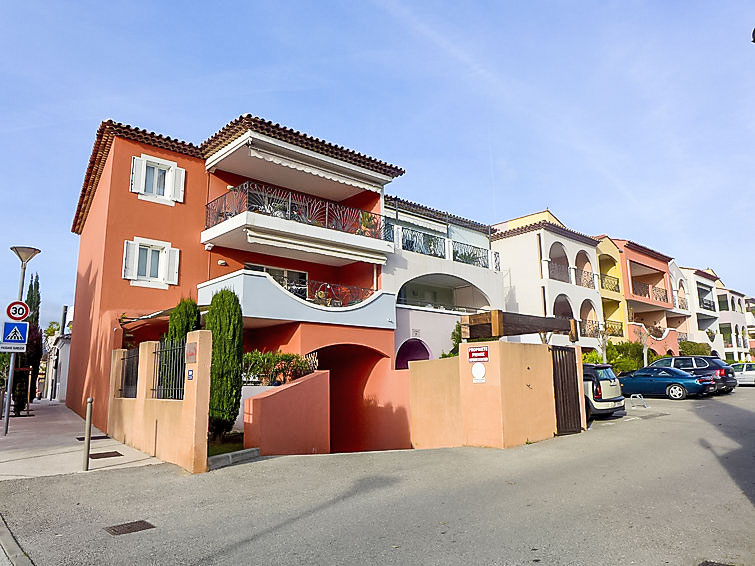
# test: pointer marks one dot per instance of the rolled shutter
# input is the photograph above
(179, 177)
(138, 166)
(171, 270)
(130, 252)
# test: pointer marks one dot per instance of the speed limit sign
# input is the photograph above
(17, 310)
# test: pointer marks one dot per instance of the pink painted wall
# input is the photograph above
(290, 419)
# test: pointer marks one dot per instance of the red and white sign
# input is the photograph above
(478, 354)
(17, 310)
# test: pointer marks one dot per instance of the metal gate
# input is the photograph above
(566, 390)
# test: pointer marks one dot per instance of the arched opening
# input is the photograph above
(588, 320)
(669, 352)
(583, 261)
(609, 273)
(562, 307)
(651, 351)
(681, 293)
(583, 273)
(715, 354)
(442, 292)
(558, 264)
(733, 305)
(412, 350)
(363, 415)
(741, 306)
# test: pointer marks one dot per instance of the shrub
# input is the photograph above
(592, 357)
(687, 348)
(183, 319)
(225, 321)
(273, 368)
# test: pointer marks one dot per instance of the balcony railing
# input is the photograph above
(584, 278)
(682, 303)
(656, 331)
(609, 283)
(641, 289)
(683, 336)
(471, 255)
(660, 294)
(435, 305)
(558, 271)
(589, 328)
(711, 334)
(614, 328)
(423, 242)
(324, 294)
(305, 209)
(707, 304)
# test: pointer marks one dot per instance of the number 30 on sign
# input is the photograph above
(17, 310)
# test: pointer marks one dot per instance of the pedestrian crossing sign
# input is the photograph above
(15, 332)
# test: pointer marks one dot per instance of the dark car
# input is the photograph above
(602, 390)
(703, 366)
(667, 381)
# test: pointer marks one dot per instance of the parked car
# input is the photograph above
(673, 383)
(702, 366)
(602, 390)
(744, 372)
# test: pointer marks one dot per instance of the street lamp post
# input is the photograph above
(25, 254)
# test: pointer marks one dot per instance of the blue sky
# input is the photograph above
(635, 119)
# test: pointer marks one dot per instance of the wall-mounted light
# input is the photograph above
(222, 262)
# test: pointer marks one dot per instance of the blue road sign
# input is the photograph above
(15, 332)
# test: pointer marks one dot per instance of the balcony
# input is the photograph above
(589, 328)
(707, 304)
(682, 303)
(436, 306)
(656, 331)
(558, 271)
(683, 336)
(609, 283)
(267, 301)
(276, 221)
(614, 328)
(584, 278)
(641, 289)
(435, 245)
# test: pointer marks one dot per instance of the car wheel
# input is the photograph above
(588, 410)
(676, 392)
(728, 390)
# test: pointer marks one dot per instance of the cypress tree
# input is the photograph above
(33, 355)
(183, 319)
(224, 320)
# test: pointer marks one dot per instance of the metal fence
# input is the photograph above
(423, 243)
(324, 293)
(558, 271)
(471, 255)
(129, 373)
(584, 278)
(170, 365)
(589, 328)
(609, 283)
(614, 328)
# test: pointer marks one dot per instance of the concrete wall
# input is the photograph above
(172, 430)
(432, 326)
(291, 419)
(248, 391)
(511, 405)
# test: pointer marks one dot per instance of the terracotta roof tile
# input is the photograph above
(435, 214)
(247, 122)
(551, 227)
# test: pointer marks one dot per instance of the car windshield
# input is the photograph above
(605, 373)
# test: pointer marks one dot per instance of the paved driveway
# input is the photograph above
(673, 484)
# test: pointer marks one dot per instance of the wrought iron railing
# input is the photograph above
(323, 293)
(589, 328)
(614, 328)
(471, 255)
(496, 261)
(656, 331)
(711, 334)
(641, 289)
(291, 205)
(660, 294)
(170, 366)
(423, 242)
(584, 278)
(682, 303)
(436, 305)
(129, 373)
(558, 271)
(609, 283)
(683, 336)
(707, 304)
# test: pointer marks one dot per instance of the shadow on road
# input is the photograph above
(360, 487)
(737, 424)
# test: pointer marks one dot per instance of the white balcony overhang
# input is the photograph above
(281, 237)
(264, 302)
(261, 157)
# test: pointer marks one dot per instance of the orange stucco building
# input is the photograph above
(161, 219)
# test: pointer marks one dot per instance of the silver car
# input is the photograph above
(744, 372)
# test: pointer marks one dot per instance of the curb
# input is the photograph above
(10, 545)
(232, 458)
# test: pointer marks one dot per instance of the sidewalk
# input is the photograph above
(45, 445)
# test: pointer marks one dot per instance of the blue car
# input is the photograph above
(670, 382)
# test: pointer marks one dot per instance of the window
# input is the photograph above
(701, 362)
(750, 367)
(150, 263)
(157, 180)
(294, 281)
(683, 363)
(723, 303)
(662, 363)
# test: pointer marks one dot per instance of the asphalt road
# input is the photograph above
(672, 484)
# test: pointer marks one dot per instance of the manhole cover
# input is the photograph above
(132, 527)
(95, 437)
(98, 455)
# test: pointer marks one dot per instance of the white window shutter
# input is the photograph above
(179, 178)
(138, 167)
(130, 253)
(171, 267)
